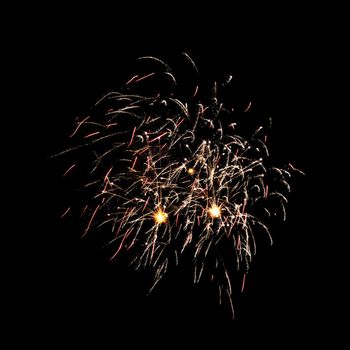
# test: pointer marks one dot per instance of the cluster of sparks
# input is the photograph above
(170, 175)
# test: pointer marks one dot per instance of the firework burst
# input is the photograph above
(168, 175)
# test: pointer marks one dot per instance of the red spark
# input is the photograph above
(132, 136)
(92, 134)
(144, 77)
(79, 125)
(68, 170)
(65, 213)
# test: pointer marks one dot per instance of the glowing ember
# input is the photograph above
(214, 211)
(160, 217)
(190, 171)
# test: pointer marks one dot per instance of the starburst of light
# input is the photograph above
(160, 217)
(214, 211)
(145, 146)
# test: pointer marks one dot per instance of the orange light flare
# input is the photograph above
(214, 211)
(160, 217)
(191, 171)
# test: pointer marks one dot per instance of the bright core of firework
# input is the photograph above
(190, 171)
(214, 211)
(160, 217)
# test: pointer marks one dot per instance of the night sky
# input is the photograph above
(70, 286)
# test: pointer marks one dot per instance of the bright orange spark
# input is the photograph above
(160, 217)
(214, 211)
(190, 171)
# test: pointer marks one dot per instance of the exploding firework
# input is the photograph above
(170, 174)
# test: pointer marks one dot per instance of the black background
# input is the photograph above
(66, 286)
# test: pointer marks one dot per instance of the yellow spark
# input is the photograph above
(190, 171)
(160, 217)
(214, 211)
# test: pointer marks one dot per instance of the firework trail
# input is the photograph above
(170, 174)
